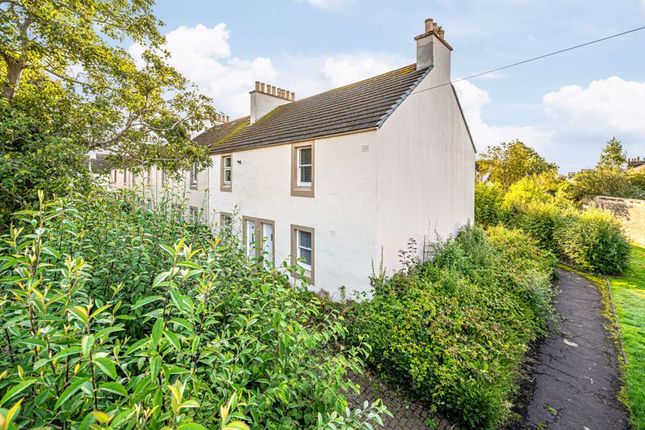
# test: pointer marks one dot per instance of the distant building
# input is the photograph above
(637, 163)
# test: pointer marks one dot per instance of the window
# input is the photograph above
(226, 173)
(302, 170)
(125, 177)
(163, 178)
(149, 177)
(259, 238)
(115, 175)
(302, 249)
(225, 220)
(194, 214)
(193, 176)
(149, 204)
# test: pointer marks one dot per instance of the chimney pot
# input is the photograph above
(257, 85)
(429, 25)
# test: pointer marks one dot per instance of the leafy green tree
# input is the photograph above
(68, 86)
(610, 177)
(509, 162)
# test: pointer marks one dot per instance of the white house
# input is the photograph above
(339, 182)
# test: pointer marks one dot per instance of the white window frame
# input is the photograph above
(300, 166)
(296, 251)
(258, 238)
(226, 185)
(193, 176)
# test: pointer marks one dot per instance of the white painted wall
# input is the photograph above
(343, 211)
(426, 170)
(176, 190)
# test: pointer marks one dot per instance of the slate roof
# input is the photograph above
(359, 106)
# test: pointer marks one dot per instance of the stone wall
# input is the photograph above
(630, 212)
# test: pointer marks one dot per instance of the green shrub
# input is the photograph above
(454, 330)
(593, 241)
(539, 220)
(190, 336)
(488, 204)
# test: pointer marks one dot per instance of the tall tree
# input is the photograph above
(612, 155)
(63, 64)
(509, 162)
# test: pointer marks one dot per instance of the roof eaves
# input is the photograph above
(401, 99)
(463, 117)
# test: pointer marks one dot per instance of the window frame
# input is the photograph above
(194, 184)
(125, 177)
(226, 187)
(295, 246)
(193, 214)
(259, 242)
(299, 189)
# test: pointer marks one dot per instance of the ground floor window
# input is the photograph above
(303, 250)
(259, 238)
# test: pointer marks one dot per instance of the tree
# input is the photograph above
(509, 162)
(613, 156)
(62, 63)
(610, 177)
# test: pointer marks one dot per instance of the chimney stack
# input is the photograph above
(265, 98)
(433, 50)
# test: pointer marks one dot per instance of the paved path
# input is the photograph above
(576, 376)
(406, 414)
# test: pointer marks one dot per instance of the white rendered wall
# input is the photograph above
(426, 170)
(343, 211)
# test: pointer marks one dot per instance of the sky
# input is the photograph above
(566, 106)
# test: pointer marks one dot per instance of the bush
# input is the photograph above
(189, 336)
(593, 241)
(539, 220)
(454, 330)
(488, 204)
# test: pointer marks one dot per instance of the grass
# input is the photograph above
(629, 298)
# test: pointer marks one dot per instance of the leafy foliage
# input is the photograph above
(456, 328)
(509, 162)
(32, 160)
(104, 327)
(610, 177)
(593, 241)
(63, 64)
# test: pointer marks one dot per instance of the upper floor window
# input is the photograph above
(226, 173)
(125, 177)
(193, 176)
(302, 170)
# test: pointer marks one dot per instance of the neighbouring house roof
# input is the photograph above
(359, 106)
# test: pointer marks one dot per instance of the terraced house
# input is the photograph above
(340, 182)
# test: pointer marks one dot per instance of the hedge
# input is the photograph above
(454, 330)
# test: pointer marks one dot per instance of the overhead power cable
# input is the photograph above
(539, 57)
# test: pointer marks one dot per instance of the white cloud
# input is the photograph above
(613, 104)
(203, 55)
(344, 69)
(473, 99)
(578, 121)
(328, 4)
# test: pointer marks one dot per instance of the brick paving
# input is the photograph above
(406, 414)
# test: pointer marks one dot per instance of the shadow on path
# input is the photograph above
(576, 373)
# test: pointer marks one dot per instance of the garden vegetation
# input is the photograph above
(454, 330)
(114, 316)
